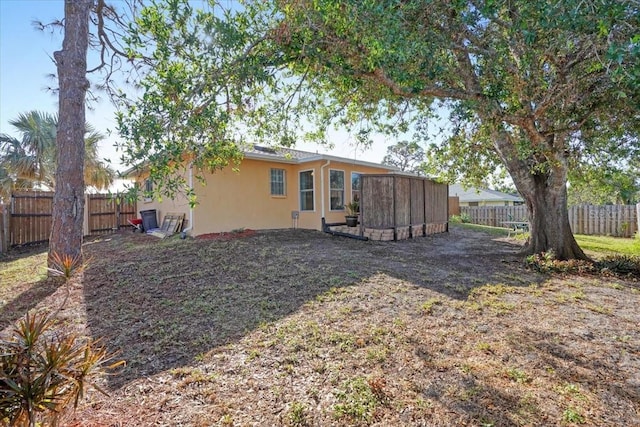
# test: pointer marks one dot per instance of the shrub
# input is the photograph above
(42, 372)
(624, 265)
(457, 219)
(546, 262)
(465, 218)
(620, 264)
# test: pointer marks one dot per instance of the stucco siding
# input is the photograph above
(233, 200)
(164, 205)
(242, 199)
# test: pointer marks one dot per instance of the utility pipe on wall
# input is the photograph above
(190, 227)
(322, 186)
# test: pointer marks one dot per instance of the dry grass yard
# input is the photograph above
(298, 328)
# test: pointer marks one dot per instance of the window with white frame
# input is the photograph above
(336, 190)
(306, 191)
(356, 184)
(277, 182)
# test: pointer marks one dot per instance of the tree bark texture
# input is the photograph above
(549, 218)
(545, 195)
(68, 200)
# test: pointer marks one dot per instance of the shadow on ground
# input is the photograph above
(29, 295)
(162, 303)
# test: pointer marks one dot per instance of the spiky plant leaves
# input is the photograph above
(42, 372)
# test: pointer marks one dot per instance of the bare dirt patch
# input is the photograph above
(239, 234)
(301, 328)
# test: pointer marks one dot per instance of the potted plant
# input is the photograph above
(353, 209)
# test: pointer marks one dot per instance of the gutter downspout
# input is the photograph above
(322, 189)
(190, 227)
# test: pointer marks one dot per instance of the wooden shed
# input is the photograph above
(397, 207)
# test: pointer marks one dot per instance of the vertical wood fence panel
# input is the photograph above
(608, 220)
(402, 201)
(4, 228)
(107, 212)
(30, 220)
(440, 205)
(454, 205)
(428, 201)
(417, 202)
(127, 211)
(29, 216)
(404, 206)
(102, 213)
(377, 201)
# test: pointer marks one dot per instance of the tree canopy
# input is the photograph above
(408, 156)
(531, 85)
(204, 76)
(608, 171)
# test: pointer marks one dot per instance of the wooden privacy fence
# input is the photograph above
(105, 213)
(4, 228)
(494, 215)
(402, 206)
(608, 220)
(26, 219)
(454, 205)
(29, 215)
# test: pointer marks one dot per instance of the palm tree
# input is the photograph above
(31, 161)
(13, 157)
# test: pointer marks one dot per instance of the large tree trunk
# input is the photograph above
(549, 219)
(68, 200)
(545, 194)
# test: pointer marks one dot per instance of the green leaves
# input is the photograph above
(408, 156)
(41, 374)
(32, 159)
(525, 79)
(203, 86)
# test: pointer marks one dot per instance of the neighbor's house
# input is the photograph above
(272, 189)
(483, 197)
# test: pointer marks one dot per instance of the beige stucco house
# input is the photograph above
(483, 197)
(270, 189)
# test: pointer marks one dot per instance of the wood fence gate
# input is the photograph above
(106, 213)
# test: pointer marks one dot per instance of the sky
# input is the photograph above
(26, 66)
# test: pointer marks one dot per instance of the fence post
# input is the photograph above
(638, 220)
(85, 215)
(3, 230)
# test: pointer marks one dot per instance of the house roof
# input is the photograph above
(481, 195)
(291, 156)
